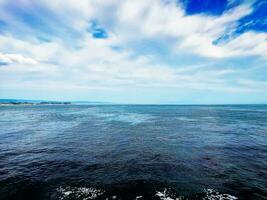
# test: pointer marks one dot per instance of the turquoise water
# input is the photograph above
(133, 152)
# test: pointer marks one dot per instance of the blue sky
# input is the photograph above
(147, 51)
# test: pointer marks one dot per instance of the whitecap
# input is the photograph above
(214, 195)
(165, 195)
(209, 117)
(132, 118)
(79, 192)
(186, 119)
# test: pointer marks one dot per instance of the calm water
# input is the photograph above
(133, 152)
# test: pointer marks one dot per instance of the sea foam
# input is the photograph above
(214, 195)
(209, 194)
(166, 195)
(79, 192)
(87, 193)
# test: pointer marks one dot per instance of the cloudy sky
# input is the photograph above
(134, 51)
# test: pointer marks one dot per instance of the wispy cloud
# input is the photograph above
(16, 58)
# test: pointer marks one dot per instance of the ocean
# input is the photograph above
(63, 152)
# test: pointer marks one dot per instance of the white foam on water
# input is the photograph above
(139, 197)
(210, 194)
(209, 117)
(164, 195)
(79, 192)
(121, 116)
(132, 118)
(186, 119)
(213, 195)
(92, 193)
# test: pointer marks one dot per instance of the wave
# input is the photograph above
(87, 193)
(79, 193)
(167, 195)
(186, 119)
(209, 194)
(214, 195)
(131, 118)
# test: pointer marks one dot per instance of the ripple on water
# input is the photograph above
(131, 118)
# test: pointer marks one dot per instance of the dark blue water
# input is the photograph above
(133, 152)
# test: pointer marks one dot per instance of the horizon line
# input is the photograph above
(92, 102)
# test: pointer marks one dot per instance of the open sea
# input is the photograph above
(65, 152)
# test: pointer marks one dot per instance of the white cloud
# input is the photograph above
(156, 20)
(193, 34)
(16, 58)
(249, 43)
(92, 63)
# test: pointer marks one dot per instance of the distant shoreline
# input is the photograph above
(33, 104)
(25, 102)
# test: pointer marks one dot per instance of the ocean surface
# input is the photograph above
(86, 152)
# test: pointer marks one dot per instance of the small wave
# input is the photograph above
(79, 193)
(87, 193)
(166, 195)
(132, 118)
(209, 117)
(186, 119)
(209, 194)
(213, 195)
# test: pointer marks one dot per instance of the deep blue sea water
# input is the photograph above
(133, 152)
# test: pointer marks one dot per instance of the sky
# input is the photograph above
(134, 51)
